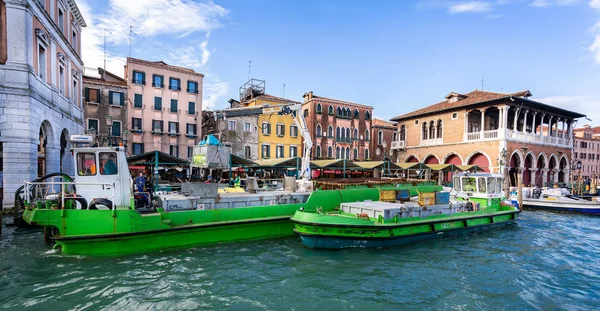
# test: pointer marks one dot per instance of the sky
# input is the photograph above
(397, 56)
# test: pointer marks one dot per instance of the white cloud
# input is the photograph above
(545, 3)
(595, 47)
(471, 6)
(595, 4)
(152, 18)
(587, 105)
(214, 93)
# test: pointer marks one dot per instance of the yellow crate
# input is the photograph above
(426, 199)
(387, 195)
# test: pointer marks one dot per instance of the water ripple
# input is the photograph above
(546, 261)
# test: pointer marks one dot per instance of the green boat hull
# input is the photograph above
(124, 230)
(323, 231)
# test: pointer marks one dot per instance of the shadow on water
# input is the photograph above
(545, 261)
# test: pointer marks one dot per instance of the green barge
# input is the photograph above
(476, 206)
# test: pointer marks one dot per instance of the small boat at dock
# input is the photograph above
(558, 199)
(476, 206)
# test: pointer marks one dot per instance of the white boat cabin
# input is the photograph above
(479, 185)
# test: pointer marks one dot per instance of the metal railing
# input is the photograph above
(52, 190)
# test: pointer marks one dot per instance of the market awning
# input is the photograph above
(369, 165)
(473, 168)
(441, 167)
(281, 162)
(330, 164)
(241, 161)
(409, 165)
(156, 158)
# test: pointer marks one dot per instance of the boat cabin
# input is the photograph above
(479, 185)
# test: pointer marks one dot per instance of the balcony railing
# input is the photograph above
(516, 135)
(432, 142)
(490, 134)
(474, 136)
(401, 144)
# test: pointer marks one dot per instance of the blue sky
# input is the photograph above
(396, 56)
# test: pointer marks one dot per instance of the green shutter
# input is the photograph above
(173, 105)
(122, 99)
(87, 95)
(137, 100)
(110, 97)
(157, 103)
(191, 108)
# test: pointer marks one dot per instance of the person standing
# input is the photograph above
(140, 182)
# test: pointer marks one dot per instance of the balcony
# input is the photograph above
(401, 144)
(512, 135)
(432, 142)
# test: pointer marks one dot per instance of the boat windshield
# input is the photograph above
(491, 184)
(468, 184)
(481, 184)
(456, 183)
(499, 185)
(108, 163)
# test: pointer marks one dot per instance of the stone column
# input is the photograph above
(515, 119)
(466, 133)
(562, 131)
(544, 176)
(533, 129)
(556, 131)
(482, 123)
(549, 126)
(525, 121)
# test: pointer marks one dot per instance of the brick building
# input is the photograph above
(587, 150)
(339, 129)
(384, 133)
(492, 130)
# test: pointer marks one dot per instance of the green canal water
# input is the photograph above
(545, 262)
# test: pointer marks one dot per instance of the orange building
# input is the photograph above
(498, 132)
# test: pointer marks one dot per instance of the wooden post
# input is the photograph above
(520, 188)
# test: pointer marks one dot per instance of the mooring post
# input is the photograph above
(520, 188)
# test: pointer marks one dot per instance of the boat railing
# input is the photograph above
(52, 188)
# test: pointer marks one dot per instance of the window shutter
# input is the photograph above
(177, 127)
(87, 94)
(122, 99)
(268, 128)
(282, 130)
(110, 97)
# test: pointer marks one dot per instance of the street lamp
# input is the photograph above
(579, 185)
(109, 123)
(125, 138)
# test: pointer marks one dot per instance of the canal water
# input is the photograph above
(547, 261)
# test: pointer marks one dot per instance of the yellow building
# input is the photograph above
(278, 135)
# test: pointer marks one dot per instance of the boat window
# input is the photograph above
(499, 185)
(86, 164)
(481, 184)
(491, 184)
(108, 163)
(456, 183)
(468, 184)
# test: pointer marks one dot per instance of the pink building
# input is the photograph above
(587, 150)
(165, 107)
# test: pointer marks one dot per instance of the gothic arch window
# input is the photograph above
(319, 108)
(367, 115)
(431, 130)
(355, 154)
(348, 133)
(424, 132)
(366, 154)
(439, 128)
(330, 110)
(330, 131)
(329, 152)
(318, 132)
(318, 151)
(355, 133)
(337, 133)
(395, 136)
(356, 114)
(402, 133)
(337, 152)
(380, 138)
(367, 135)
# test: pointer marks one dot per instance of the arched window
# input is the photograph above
(366, 154)
(329, 152)
(402, 133)
(318, 132)
(319, 108)
(348, 133)
(395, 136)
(367, 115)
(348, 113)
(348, 153)
(367, 135)
(330, 110)
(431, 130)
(306, 113)
(337, 133)
(343, 134)
(355, 154)
(330, 131)
(380, 138)
(356, 114)
(318, 151)
(355, 133)
(339, 111)
(424, 132)
(337, 152)
(439, 129)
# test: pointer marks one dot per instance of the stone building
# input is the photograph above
(384, 133)
(164, 104)
(339, 129)
(587, 150)
(40, 88)
(494, 131)
(104, 96)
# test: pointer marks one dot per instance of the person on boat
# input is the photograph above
(140, 182)
(236, 181)
(109, 167)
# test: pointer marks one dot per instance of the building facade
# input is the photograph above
(104, 96)
(384, 133)
(164, 107)
(587, 151)
(339, 129)
(40, 89)
(498, 132)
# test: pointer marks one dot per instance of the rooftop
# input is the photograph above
(162, 65)
(94, 76)
(455, 100)
(382, 123)
(310, 96)
(271, 98)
